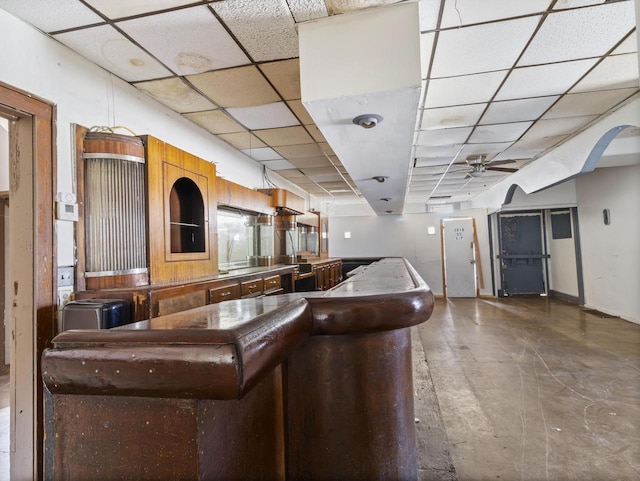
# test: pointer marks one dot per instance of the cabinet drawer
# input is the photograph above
(224, 293)
(251, 288)
(271, 283)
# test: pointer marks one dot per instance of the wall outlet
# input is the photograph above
(64, 296)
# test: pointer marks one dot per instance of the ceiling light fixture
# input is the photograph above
(380, 178)
(367, 121)
(386, 199)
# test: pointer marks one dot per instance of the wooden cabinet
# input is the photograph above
(226, 292)
(252, 288)
(272, 284)
(182, 207)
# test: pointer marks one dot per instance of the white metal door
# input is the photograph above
(459, 258)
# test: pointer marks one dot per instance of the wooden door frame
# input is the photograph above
(43, 129)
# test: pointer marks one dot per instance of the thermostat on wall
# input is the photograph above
(66, 208)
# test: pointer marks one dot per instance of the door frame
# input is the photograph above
(36, 212)
(478, 275)
(545, 248)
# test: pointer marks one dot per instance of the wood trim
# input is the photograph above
(444, 274)
(44, 248)
(79, 133)
(237, 196)
(476, 247)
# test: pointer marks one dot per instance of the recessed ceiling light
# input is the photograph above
(367, 121)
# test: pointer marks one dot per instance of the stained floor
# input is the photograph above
(534, 389)
(514, 389)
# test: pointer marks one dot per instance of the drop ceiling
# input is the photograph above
(503, 82)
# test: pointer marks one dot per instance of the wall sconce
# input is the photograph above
(606, 217)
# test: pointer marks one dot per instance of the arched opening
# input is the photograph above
(186, 213)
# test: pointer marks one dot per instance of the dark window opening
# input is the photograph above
(186, 215)
(561, 224)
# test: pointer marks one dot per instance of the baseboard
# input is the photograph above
(565, 297)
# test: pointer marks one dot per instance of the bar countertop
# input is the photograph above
(220, 351)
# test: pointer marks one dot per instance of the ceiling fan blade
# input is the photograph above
(452, 171)
(500, 162)
(501, 169)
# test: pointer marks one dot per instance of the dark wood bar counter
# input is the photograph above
(305, 386)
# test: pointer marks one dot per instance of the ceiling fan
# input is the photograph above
(477, 165)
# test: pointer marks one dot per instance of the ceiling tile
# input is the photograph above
(426, 49)
(215, 121)
(192, 40)
(499, 132)
(429, 12)
(450, 59)
(308, 162)
(447, 117)
(299, 150)
(315, 133)
(543, 143)
(564, 4)
(300, 111)
(126, 8)
(235, 87)
(470, 89)
(488, 148)
(277, 164)
(616, 72)
(69, 14)
(588, 103)
(176, 95)
(292, 174)
(519, 151)
(550, 127)
(441, 151)
(543, 80)
(517, 110)
(629, 45)
(444, 136)
(261, 154)
(317, 171)
(336, 7)
(423, 163)
(285, 77)
(465, 12)
(108, 48)
(267, 116)
(243, 140)
(304, 10)
(580, 33)
(284, 136)
(266, 28)
(326, 148)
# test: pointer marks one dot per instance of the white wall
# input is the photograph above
(87, 95)
(610, 254)
(561, 195)
(405, 236)
(563, 271)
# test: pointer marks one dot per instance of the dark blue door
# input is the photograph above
(521, 253)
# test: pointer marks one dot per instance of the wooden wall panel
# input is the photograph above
(236, 195)
(165, 270)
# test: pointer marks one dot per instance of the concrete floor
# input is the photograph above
(532, 389)
(515, 389)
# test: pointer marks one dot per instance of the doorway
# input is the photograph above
(31, 279)
(523, 254)
(459, 257)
